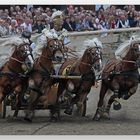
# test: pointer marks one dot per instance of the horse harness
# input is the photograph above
(132, 72)
(86, 77)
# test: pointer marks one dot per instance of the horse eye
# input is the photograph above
(22, 51)
(135, 49)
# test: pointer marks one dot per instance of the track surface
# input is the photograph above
(123, 122)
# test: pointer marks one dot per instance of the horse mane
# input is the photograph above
(8, 46)
(95, 42)
(123, 49)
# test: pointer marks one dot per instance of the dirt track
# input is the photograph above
(123, 122)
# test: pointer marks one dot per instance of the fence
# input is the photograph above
(110, 38)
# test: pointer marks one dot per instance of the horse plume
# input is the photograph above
(8, 47)
(95, 42)
(123, 49)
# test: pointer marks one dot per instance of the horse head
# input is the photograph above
(95, 53)
(23, 55)
(53, 45)
(135, 50)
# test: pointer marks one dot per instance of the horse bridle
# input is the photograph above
(53, 49)
(17, 54)
(95, 57)
(128, 61)
(24, 54)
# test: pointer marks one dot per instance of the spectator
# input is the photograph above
(3, 28)
(97, 25)
(70, 10)
(87, 23)
(78, 25)
(13, 27)
(26, 26)
(111, 22)
(46, 23)
(67, 24)
(18, 19)
(122, 22)
(132, 20)
(72, 23)
(38, 27)
(76, 10)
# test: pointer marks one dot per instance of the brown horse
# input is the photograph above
(121, 76)
(39, 80)
(75, 91)
(12, 80)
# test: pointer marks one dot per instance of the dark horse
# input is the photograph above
(120, 76)
(40, 81)
(75, 91)
(12, 80)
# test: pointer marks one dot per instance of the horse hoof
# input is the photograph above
(96, 117)
(68, 112)
(28, 119)
(53, 119)
(117, 106)
(125, 97)
(15, 118)
(106, 116)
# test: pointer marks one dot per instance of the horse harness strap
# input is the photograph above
(17, 60)
(12, 75)
(45, 76)
(124, 73)
(128, 61)
(90, 76)
(45, 72)
(86, 64)
(49, 58)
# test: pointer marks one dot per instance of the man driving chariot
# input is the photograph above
(55, 33)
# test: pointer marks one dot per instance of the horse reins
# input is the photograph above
(22, 62)
(88, 63)
(128, 61)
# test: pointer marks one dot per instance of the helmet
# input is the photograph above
(57, 19)
(26, 34)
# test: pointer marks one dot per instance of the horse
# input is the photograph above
(40, 82)
(75, 91)
(120, 75)
(12, 73)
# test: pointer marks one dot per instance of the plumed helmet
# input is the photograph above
(57, 19)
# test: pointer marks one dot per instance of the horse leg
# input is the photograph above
(18, 105)
(32, 101)
(54, 114)
(17, 92)
(130, 93)
(106, 113)
(80, 104)
(70, 104)
(50, 102)
(99, 111)
(2, 96)
(61, 88)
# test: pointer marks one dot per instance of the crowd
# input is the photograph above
(16, 19)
